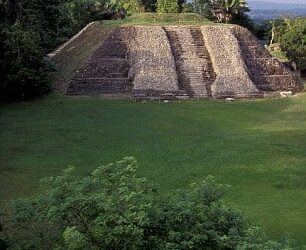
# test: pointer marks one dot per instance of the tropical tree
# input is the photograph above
(129, 6)
(203, 7)
(227, 10)
(290, 33)
(149, 5)
(12, 10)
(167, 6)
(23, 67)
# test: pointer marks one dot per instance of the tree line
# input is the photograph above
(290, 33)
(29, 29)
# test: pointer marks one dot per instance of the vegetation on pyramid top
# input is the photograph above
(152, 18)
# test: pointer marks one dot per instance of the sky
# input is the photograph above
(282, 1)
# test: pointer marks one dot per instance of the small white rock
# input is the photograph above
(286, 93)
(166, 101)
(229, 99)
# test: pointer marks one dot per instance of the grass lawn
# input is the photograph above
(148, 18)
(256, 146)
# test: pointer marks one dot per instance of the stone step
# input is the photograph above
(195, 71)
(195, 81)
(109, 59)
(276, 82)
(269, 66)
(91, 89)
(112, 49)
(154, 94)
(106, 72)
(253, 51)
(191, 71)
(98, 86)
(104, 68)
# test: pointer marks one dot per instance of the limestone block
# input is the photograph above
(232, 75)
(151, 60)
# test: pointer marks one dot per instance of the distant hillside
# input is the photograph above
(261, 10)
(263, 5)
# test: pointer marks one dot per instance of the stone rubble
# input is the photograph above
(232, 77)
(153, 68)
(106, 73)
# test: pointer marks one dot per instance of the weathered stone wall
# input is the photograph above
(268, 73)
(152, 64)
(232, 75)
(106, 72)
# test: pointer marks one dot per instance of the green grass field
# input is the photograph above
(148, 18)
(256, 146)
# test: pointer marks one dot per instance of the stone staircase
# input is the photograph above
(268, 73)
(193, 64)
(106, 73)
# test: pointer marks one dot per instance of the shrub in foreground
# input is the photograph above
(112, 208)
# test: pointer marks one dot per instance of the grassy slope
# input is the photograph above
(258, 147)
(160, 19)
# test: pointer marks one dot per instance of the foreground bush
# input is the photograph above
(112, 208)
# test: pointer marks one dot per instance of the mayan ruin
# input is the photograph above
(174, 62)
